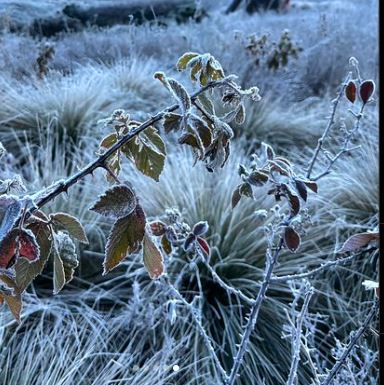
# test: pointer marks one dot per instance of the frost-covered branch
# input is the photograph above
(296, 336)
(354, 339)
(330, 123)
(271, 261)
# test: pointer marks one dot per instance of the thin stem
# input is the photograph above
(206, 338)
(62, 186)
(296, 339)
(224, 285)
(345, 148)
(330, 123)
(356, 336)
(250, 326)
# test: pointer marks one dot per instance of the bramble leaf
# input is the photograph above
(27, 271)
(64, 262)
(18, 243)
(125, 238)
(71, 224)
(148, 153)
(116, 202)
(10, 209)
(152, 257)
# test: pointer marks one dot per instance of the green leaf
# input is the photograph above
(14, 303)
(71, 224)
(58, 273)
(171, 122)
(116, 202)
(184, 60)
(152, 257)
(147, 152)
(27, 271)
(124, 239)
(108, 141)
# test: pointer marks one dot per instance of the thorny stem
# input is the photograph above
(62, 186)
(238, 359)
(207, 339)
(356, 336)
(330, 123)
(296, 338)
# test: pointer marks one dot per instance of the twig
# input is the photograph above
(238, 359)
(63, 186)
(207, 339)
(356, 336)
(319, 269)
(331, 121)
(296, 338)
(345, 148)
(224, 285)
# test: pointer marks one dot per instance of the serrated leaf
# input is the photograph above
(152, 258)
(185, 59)
(357, 241)
(291, 239)
(10, 209)
(125, 238)
(207, 103)
(171, 122)
(27, 271)
(71, 224)
(114, 164)
(116, 202)
(201, 129)
(21, 243)
(148, 153)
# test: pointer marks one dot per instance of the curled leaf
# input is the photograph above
(357, 241)
(71, 224)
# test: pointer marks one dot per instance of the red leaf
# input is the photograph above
(204, 246)
(157, 228)
(357, 241)
(350, 91)
(311, 185)
(22, 241)
(291, 239)
(367, 88)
